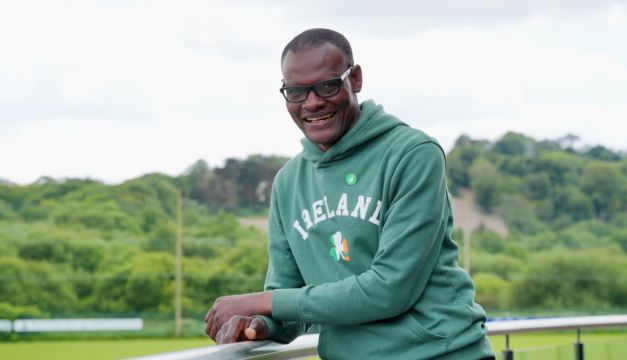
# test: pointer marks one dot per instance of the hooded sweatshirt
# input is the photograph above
(360, 244)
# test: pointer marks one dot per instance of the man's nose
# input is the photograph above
(313, 101)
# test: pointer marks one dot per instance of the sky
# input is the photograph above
(112, 90)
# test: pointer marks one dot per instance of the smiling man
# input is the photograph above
(360, 229)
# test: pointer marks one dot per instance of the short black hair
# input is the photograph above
(311, 38)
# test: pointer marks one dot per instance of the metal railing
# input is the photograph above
(71, 325)
(306, 345)
(509, 327)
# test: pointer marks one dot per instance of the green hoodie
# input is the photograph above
(360, 244)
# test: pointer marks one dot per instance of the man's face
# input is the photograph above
(323, 120)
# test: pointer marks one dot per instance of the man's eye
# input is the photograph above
(327, 87)
(294, 91)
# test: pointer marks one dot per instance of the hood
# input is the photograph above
(372, 123)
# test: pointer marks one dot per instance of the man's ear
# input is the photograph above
(356, 79)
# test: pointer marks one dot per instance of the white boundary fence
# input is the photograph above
(306, 345)
(55, 325)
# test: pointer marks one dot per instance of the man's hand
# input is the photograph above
(224, 308)
(242, 328)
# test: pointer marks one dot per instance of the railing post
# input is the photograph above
(578, 346)
(507, 353)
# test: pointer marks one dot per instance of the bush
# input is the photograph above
(37, 284)
(492, 291)
(562, 278)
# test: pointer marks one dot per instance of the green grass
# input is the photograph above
(552, 346)
(95, 349)
(536, 346)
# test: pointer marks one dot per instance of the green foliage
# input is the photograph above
(562, 278)
(11, 312)
(606, 187)
(514, 144)
(519, 214)
(504, 266)
(37, 284)
(459, 159)
(565, 209)
(489, 241)
(492, 291)
(240, 184)
(75, 245)
(80, 245)
(6, 212)
(484, 181)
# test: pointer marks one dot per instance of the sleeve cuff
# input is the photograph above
(271, 325)
(285, 305)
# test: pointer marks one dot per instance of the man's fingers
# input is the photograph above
(257, 329)
(231, 331)
(209, 322)
(213, 331)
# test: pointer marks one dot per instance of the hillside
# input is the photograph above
(554, 232)
(468, 217)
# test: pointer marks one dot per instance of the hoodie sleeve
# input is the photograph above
(413, 229)
(282, 273)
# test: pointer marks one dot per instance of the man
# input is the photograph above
(360, 229)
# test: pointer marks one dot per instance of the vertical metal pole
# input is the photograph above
(578, 346)
(507, 353)
(177, 272)
(467, 251)
(467, 201)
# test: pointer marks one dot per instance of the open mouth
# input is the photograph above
(319, 119)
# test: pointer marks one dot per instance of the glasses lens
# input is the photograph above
(295, 93)
(328, 88)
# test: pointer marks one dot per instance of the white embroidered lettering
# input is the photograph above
(330, 214)
(375, 215)
(307, 219)
(361, 207)
(342, 205)
(317, 211)
(300, 229)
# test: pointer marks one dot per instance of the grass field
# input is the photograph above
(94, 349)
(560, 346)
(537, 346)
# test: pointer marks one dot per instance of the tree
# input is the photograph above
(35, 284)
(602, 153)
(6, 212)
(569, 200)
(514, 144)
(606, 187)
(489, 241)
(142, 284)
(519, 214)
(253, 177)
(561, 167)
(563, 278)
(492, 291)
(484, 180)
(459, 159)
(538, 185)
(502, 265)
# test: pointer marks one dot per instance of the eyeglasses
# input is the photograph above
(324, 89)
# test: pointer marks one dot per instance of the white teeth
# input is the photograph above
(320, 118)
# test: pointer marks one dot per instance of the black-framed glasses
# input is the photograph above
(324, 89)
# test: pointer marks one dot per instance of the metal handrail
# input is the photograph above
(502, 327)
(306, 345)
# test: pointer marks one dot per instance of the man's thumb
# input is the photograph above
(256, 329)
(251, 334)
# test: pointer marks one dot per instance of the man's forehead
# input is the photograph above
(323, 57)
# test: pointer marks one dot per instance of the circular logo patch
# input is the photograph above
(351, 179)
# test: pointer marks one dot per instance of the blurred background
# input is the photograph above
(110, 111)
